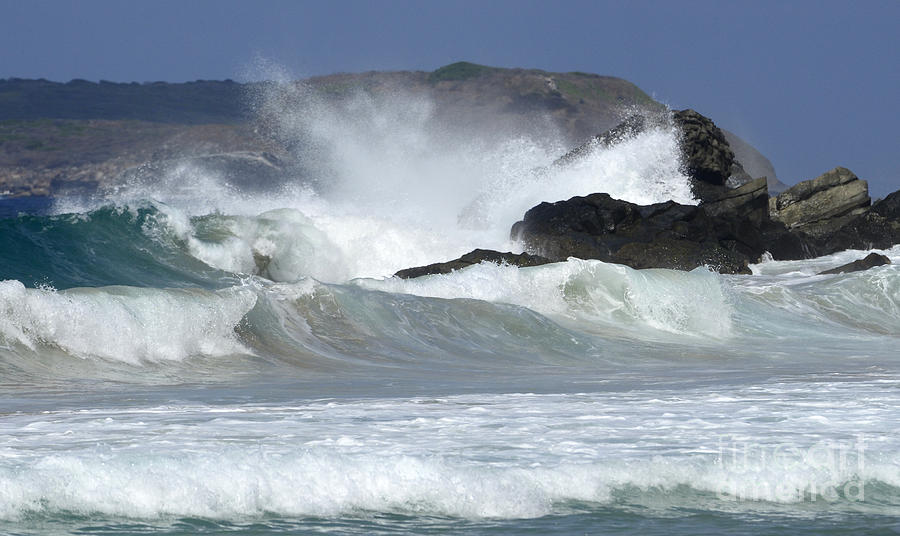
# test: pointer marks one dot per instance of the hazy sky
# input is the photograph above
(812, 84)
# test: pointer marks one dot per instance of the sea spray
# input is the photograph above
(391, 183)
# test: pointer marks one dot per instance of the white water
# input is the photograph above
(484, 456)
(123, 323)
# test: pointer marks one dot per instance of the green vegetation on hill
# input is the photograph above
(461, 70)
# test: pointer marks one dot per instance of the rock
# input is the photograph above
(870, 261)
(678, 254)
(626, 130)
(831, 213)
(814, 206)
(707, 157)
(473, 257)
(889, 207)
(750, 201)
(663, 235)
(877, 228)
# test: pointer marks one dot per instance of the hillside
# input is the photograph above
(79, 136)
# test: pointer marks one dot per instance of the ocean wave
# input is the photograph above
(598, 295)
(233, 483)
(125, 324)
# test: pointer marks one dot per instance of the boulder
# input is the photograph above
(626, 130)
(833, 212)
(706, 155)
(473, 257)
(820, 206)
(889, 207)
(662, 235)
(870, 261)
(750, 201)
(877, 228)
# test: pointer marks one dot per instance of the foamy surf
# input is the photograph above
(123, 323)
(439, 456)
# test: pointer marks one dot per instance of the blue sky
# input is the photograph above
(812, 84)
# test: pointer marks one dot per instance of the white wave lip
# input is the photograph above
(593, 292)
(124, 323)
(321, 482)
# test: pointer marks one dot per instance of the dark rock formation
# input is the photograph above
(832, 213)
(870, 261)
(626, 130)
(734, 225)
(663, 235)
(889, 207)
(876, 228)
(750, 201)
(473, 257)
(818, 217)
(706, 155)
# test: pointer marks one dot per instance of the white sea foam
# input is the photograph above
(469, 456)
(124, 323)
(236, 484)
(597, 294)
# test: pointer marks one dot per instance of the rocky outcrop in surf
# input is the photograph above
(869, 261)
(662, 235)
(707, 157)
(474, 257)
(816, 207)
(833, 212)
(728, 230)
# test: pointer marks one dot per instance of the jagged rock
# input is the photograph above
(663, 235)
(870, 261)
(626, 130)
(473, 257)
(889, 207)
(832, 213)
(820, 206)
(678, 254)
(876, 228)
(707, 157)
(750, 201)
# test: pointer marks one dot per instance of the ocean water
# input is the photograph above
(190, 357)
